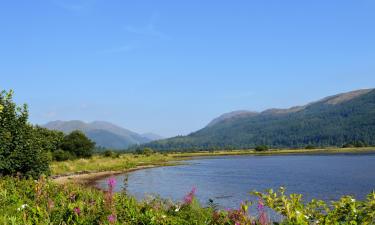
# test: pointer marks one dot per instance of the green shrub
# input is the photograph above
(61, 155)
(108, 153)
(261, 148)
(22, 150)
(145, 151)
(77, 144)
(346, 210)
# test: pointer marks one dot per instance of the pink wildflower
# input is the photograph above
(263, 218)
(188, 199)
(77, 210)
(260, 205)
(112, 218)
(111, 182)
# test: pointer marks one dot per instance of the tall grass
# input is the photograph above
(100, 163)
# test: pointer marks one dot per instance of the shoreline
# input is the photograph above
(186, 156)
(88, 178)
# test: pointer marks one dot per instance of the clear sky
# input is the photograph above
(170, 67)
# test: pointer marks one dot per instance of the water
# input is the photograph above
(229, 179)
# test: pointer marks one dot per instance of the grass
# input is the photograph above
(99, 163)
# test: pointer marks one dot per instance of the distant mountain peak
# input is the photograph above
(152, 136)
(104, 133)
(230, 115)
(343, 97)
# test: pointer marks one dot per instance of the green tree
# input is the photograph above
(78, 144)
(261, 148)
(21, 151)
(145, 151)
(50, 139)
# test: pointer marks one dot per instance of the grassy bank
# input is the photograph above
(100, 163)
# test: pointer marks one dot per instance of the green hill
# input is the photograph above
(332, 121)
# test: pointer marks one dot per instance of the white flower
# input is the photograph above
(177, 209)
(22, 207)
(298, 212)
(353, 200)
(163, 216)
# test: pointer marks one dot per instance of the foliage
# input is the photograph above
(347, 210)
(144, 151)
(61, 155)
(22, 148)
(261, 148)
(50, 139)
(355, 144)
(310, 147)
(77, 144)
(25, 201)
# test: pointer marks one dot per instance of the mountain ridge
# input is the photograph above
(105, 134)
(333, 120)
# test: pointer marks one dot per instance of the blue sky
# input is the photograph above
(170, 67)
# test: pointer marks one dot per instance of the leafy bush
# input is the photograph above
(108, 153)
(145, 151)
(261, 148)
(77, 144)
(310, 147)
(61, 155)
(22, 150)
(347, 210)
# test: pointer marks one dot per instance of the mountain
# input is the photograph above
(152, 136)
(332, 121)
(104, 134)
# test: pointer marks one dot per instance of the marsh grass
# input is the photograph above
(100, 163)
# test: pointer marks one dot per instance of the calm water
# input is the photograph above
(229, 179)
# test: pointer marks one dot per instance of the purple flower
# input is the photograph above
(77, 210)
(190, 196)
(260, 205)
(262, 218)
(111, 182)
(111, 218)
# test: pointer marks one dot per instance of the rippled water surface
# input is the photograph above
(229, 179)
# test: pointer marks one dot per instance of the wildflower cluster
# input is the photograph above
(25, 201)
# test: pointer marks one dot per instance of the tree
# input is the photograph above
(261, 148)
(78, 144)
(21, 151)
(144, 151)
(50, 139)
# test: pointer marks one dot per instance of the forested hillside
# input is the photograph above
(332, 121)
